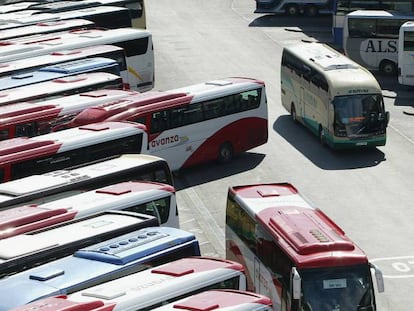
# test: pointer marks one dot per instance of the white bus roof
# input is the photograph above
(25, 244)
(206, 90)
(71, 138)
(23, 47)
(35, 183)
(146, 287)
(118, 196)
(221, 299)
(380, 13)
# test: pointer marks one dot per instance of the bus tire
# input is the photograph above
(225, 153)
(388, 67)
(311, 10)
(293, 113)
(291, 9)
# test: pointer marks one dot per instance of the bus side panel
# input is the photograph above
(259, 279)
(243, 135)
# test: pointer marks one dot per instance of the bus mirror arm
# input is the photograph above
(296, 284)
(378, 278)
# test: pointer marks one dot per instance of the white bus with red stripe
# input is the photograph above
(40, 117)
(23, 156)
(150, 288)
(294, 253)
(221, 300)
(194, 124)
(137, 44)
(143, 197)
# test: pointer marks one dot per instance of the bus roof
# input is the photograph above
(61, 70)
(90, 80)
(27, 111)
(347, 76)
(259, 197)
(45, 27)
(380, 13)
(56, 57)
(206, 90)
(30, 17)
(22, 47)
(221, 299)
(28, 186)
(22, 147)
(308, 235)
(125, 254)
(181, 274)
(119, 196)
(23, 251)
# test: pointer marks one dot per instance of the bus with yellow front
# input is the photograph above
(338, 100)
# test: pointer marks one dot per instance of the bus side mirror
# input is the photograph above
(387, 117)
(378, 278)
(296, 284)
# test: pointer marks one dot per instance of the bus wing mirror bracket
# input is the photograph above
(296, 284)
(378, 278)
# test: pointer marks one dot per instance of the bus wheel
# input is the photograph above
(388, 67)
(291, 9)
(321, 135)
(311, 10)
(225, 153)
(293, 113)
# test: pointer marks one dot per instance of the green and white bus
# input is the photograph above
(333, 96)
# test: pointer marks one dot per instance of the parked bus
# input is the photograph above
(294, 254)
(136, 43)
(335, 98)
(30, 119)
(108, 51)
(221, 299)
(39, 189)
(46, 27)
(294, 7)
(194, 124)
(23, 156)
(108, 260)
(24, 251)
(60, 71)
(110, 17)
(371, 39)
(406, 54)
(343, 7)
(143, 197)
(70, 85)
(136, 8)
(151, 288)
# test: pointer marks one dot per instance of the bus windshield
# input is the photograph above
(346, 288)
(359, 114)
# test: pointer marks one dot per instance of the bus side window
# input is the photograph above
(319, 81)
(159, 122)
(4, 134)
(192, 114)
(26, 130)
